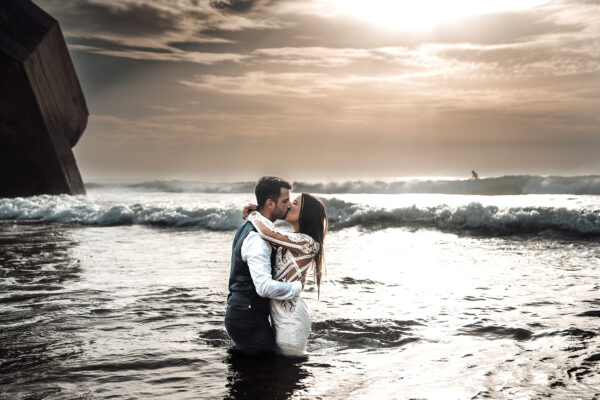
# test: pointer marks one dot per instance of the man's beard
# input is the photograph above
(285, 213)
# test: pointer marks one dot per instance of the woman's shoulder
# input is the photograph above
(299, 237)
(308, 243)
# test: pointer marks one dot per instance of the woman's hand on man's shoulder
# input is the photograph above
(248, 208)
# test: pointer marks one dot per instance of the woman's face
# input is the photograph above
(293, 216)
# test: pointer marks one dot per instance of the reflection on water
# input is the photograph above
(36, 256)
(135, 312)
(35, 263)
(264, 377)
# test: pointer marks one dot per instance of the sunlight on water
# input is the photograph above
(413, 311)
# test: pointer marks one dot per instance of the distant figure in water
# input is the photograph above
(475, 176)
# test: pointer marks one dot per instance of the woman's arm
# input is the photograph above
(248, 208)
(297, 243)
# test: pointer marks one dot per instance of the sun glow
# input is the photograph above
(423, 14)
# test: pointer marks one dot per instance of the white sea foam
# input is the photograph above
(504, 185)
(469, 218)
(85, 211)
(473, 217)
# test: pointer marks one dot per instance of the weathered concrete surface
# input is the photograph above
(42, 109)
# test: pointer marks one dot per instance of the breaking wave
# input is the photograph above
(82, 210)
(471, 218)
(504, 185)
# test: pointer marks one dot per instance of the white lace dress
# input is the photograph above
(295, 255)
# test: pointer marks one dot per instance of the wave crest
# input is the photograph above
(470, 218)
(474, 218)
(82, 210)
(504, 185)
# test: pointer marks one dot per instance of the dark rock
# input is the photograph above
(591, 313)
(42, 108)
(593, 358)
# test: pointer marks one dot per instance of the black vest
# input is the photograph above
(242, 293)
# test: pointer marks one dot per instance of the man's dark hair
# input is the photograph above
(269, 187)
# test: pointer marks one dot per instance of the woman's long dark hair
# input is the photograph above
(313, 222)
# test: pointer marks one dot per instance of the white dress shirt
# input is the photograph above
(257, 253)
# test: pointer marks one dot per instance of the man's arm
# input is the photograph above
(257, 253)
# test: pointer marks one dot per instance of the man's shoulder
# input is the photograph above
(254, 236)
(244, 229)
(253, 242)
(247, 225)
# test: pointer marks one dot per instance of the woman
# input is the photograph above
(297, 252)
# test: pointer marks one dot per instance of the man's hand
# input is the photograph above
(248, 209)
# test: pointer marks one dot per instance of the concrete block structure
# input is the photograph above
(43, 112)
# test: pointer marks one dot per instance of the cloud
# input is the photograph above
(238, 6)
(421, 59)
(437, 82)
(260, 83)
(155, 25)
(502, 28)
(145, 18)
(321, 85)
(236, 28)
(174, 55)
(313, 56)
(118, 18)
(142, 130)
(227, 72)
(523, 61)
(163, 108)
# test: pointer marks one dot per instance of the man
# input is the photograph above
(251, 284)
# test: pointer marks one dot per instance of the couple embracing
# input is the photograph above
(269, 267)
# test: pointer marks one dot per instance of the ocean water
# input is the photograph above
(440, 289)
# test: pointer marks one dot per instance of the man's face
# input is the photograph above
(283, 204)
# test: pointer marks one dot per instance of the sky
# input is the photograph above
(225, 90)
